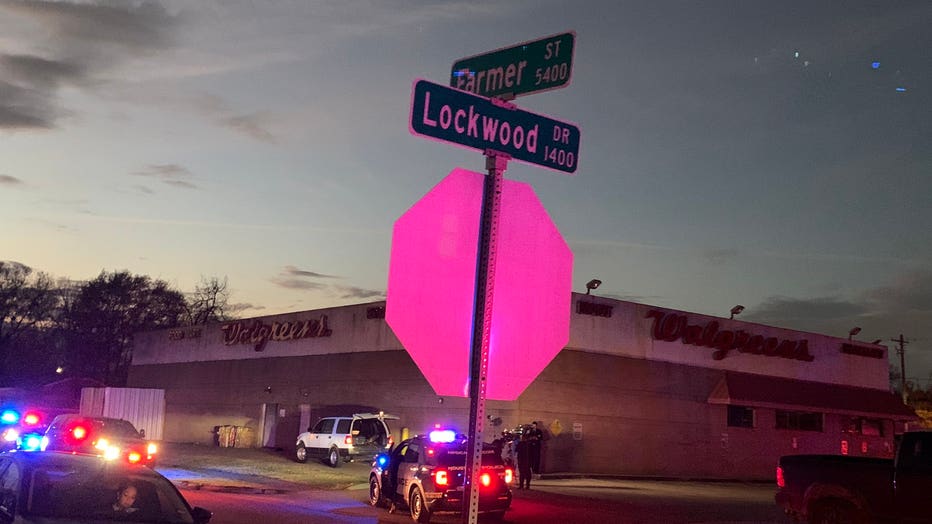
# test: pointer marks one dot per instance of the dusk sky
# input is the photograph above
(772, 154)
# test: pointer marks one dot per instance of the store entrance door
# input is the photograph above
(305, 421)
(269, 423)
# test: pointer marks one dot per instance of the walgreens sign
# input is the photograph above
(671, 327)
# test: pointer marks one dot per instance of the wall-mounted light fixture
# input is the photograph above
(736, 311)
(593, 284)
(268, 389)
(854, 331)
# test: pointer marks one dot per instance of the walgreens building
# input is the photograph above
(638, 390)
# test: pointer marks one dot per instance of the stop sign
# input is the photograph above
(432, 280)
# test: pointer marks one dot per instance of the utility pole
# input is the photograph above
(902, 352)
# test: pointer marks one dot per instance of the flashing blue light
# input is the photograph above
(381, 460)
(32, 442)
(901, 90)
(875, 65)
(442, 435)
(9, 417)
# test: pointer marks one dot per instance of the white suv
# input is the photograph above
(345, 439)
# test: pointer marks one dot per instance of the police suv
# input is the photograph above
(426, 473)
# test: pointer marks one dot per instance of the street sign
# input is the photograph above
(528, 67)
(432, 286)
(476, 122)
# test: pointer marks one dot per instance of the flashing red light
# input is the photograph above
(79, 432)
(509, 476)
(133, 457)
(31, 419)
(781, 482)
(430, 451)
(485, 479)
(440, 478)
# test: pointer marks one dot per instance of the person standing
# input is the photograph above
(523, 451)
(535, 439)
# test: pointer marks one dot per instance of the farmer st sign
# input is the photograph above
(525, 68)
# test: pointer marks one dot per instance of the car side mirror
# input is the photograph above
(200, 515)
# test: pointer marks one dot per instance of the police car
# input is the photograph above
(426, 473)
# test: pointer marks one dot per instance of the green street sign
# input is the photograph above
(528, 67)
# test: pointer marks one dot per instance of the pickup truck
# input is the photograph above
(859, 490)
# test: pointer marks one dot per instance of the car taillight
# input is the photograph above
(440, 478)
(781, 482)
(485, 479)
(79, 432)
(509, 476)
(133, 457)
(391, 441)
(348, 440)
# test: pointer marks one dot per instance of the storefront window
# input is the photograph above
(862, 426)
(740, 417)
(800, 420)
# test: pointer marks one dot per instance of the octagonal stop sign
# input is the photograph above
(432, 281)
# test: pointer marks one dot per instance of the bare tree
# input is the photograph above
(209, 302)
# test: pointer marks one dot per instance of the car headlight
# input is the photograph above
(10, 434)
(152, 449)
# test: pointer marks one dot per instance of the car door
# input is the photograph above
(408, 468)
(321, 436)
(9, 489)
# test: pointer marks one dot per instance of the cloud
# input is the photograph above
(294, 283)
(783, 310)
(171, 174)
(294, 271)
(249, 125)
(884, 312)
(720, 256)
(10, 180)
(292, 277)
(911, 291)
(356, 292)
(66, 44)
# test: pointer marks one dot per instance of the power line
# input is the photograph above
(902, 352)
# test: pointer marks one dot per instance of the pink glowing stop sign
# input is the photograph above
(432, 279)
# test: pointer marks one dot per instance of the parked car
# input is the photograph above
(426, 474)
(345, 439)
(859, 490)
(23, 427)
(110, 438)
(67, 488)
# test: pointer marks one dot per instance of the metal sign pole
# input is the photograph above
(495, 163)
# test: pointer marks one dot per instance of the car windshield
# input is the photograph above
(119, 429)
(65, 491)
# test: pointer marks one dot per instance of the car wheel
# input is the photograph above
(333, 458)
(418, 506)
(300, 453)
(836, 512)
(375, 493)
